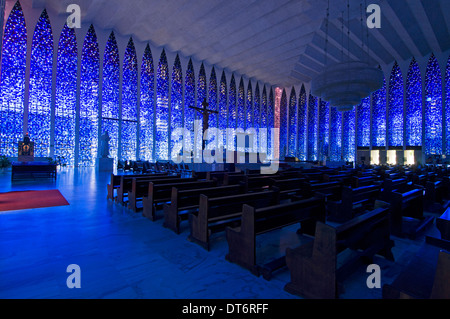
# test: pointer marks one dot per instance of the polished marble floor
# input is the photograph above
(123, 255)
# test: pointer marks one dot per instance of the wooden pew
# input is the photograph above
(242, 240)
(353, 201)
(288, 187)
(233, 178)
(392, 185)
(126, 183)
(257, 183)
(215, 214)
(427, 276)
(436, 196)
(115, 180)
(314, 266)
(443, 226)
(407, 218)
(357, 182)
(140, 187)
(185, 201)
(220, 176)
(159, 194)
(326, 189)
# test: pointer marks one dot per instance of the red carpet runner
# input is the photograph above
(31, 199)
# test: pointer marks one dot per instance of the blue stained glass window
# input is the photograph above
(66, 96)
(302, 125)
(14, 52)
(232, 114)
(240, 110)
(379, 117)
(270, 126)
(324, 129)
(256, 117)
(283, 124)
(414, 102)
(433, 108)
(240, 107)
(110, 95)
(202, 90)
(89, 100)
(189, 102)
(129, 104)
(212, 101)
(312, 128)
(263, 123)
(147, 109)
(335, 135)
(447, 105)
(41, 69)
(176, 109)
(348, 136)
(292, 133)
(395, 110)
(363, 116)
(223, 109)
(249, 107)
(162, 109)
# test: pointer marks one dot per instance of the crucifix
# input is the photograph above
(205, 112)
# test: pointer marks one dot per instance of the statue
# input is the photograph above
(26, 149)
(104, 145)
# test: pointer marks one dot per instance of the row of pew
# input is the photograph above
(345, 208)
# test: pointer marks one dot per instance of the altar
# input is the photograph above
(33, 170)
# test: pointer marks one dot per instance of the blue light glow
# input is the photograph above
(413, 118)
(110, 95)
(249, 107)
(189, 102)
(66, 96)
(283, 124)
(147, 109)
(324, 129)
(447, 105)
(270, 125)
(433, 108)
(313, 128)
(129, 104)
(379, 117)
(335, 135)
(232, 114)
(212, 101)
(292, 133)
(348, 136)
(162, 109)
(89, 100)
(302, 125)
(176, 101)
(363, 116)
(223, 109)
(41, 70)
(264, 123)
(395, 110)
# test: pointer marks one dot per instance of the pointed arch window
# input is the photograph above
(212, 100)
(147, 107)
(232, 115)
(41, 71)
(223, 109)
(14, 52)
(379, 117)
(324, 129)
(89, 100)
(363, 117)
(162, 109)
(189, 101)
(413, 106)
(176, 101)
(302, 124)
(66, 96)
(312, 128)
(433, 108)
(110, 95)
(129, 103)
(292, 125)
(335, 135)
(264, 127)
(395, 110)
(348, 136)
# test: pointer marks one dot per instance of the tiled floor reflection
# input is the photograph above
(124, 255)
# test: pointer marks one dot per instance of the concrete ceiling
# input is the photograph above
(280, 42)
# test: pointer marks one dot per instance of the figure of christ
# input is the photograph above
(205, 112)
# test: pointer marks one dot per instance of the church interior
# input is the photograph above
(235, 150)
